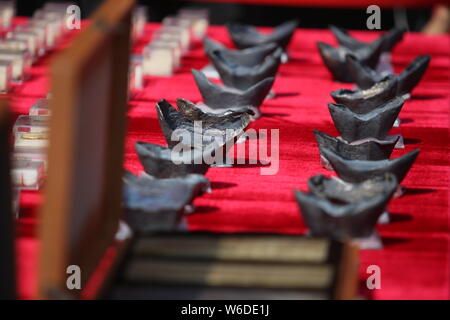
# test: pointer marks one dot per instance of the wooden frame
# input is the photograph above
(7, 270)
(80, 216)
(201, 263)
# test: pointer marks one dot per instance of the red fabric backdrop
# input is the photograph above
(415, 259)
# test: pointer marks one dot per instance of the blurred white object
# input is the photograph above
(31, 139)
(51, 31)
(40, 108)
(31, 153)
(176, 28)
(136, 75)
(13, 44)
(140, 17)
(7, 13)
(58, 12)
(40, 33)
(5, 75)
(34, 124)
(159, 60)
(199, 20)
(27, 174)
(21, 62)
(32, 40)
(171, 43)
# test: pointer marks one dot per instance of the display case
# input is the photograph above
(173, 44)
(31, 38)
(175, 28)
(31, 153)
(50, 31)
(31, 124)
(5, 75)
(136, 76)
(40, 108)
(159, 60)
(54, 21)
(39, 31)
(7, 13)
(199, 19)
(140, 17)
(27, 174)
(14, 44)
(31, 139)
(56, 10)
(21, 63)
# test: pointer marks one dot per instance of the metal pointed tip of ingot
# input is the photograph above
(360, 170)
(221, 97)
(374, 124)
(246, 36)
(246, 57)
(242, 77)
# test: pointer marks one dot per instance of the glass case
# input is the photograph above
(31, 153)
(159, 60)
(140, 17)
(32, 124)
(31, 139)
(27, 174)
(5, 75)
(14, 44)
(20, 60)
(31, 38)
(7, 13)
(40, 108)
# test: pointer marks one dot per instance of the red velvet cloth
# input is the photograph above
(415, 260)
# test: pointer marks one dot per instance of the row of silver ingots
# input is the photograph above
(347, 206)
(351, 204)
(159, 198)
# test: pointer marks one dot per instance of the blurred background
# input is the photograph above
(350, 14)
